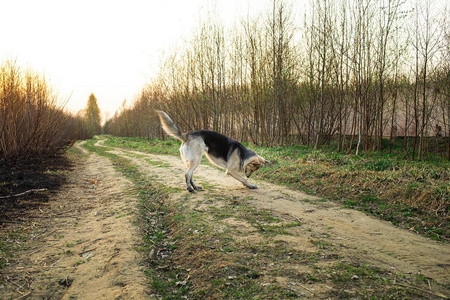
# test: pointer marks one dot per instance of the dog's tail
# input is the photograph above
(169, 127)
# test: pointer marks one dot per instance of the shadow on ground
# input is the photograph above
(29, 184)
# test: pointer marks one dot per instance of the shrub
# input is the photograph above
(32, 123)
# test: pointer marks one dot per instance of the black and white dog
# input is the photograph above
(221, 151)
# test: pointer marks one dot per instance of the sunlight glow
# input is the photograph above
(109, 48)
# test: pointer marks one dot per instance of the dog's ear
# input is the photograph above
(256, 163)
(261, 161)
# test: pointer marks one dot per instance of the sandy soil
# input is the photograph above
(85, 249)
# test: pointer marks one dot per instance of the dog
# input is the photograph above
(221, 151)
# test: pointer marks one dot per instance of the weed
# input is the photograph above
(361, 281)
(10, 243)
(321, 244)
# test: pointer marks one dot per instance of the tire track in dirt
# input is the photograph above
(85, 249)
(362, 238)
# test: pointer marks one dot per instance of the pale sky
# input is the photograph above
(106, 47)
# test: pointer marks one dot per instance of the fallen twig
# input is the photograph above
(116, 252)
(74, 186)
(93, 181)
(53, 264)
(6, 221)
(304, 287)
(422, 290)
(24, 295)
(86, 251)
(16, 284)
(40, 233)
(24, 193)
(40, 247)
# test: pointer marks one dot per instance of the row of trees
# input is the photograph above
(32, 120)
(359, 71)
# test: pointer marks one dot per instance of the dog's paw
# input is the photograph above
(252, 186)
(198, 188)
(191, 190)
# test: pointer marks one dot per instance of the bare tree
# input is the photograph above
(361, 64)
(269, 82)
(387, 17)
(425, 44)
(280, 30)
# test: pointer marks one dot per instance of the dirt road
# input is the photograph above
(363, 237)
(82, 243)
(85, 248)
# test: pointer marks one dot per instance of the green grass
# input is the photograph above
(154, 223)
(411, 194)
(169, 146)
(191, 239)
(383, 185)
(11, 243)
(358, 281)
(200, 254)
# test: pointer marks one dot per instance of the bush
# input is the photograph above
(32, 123)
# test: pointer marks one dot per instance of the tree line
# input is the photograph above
(33, 122)
(360, 74)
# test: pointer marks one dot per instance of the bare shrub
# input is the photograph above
(32, 123)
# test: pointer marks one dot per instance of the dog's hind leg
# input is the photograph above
(189, 180)
(196, 187)
(191, 153)
(192, 165)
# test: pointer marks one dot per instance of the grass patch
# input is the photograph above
(11, 243)
(169, 146)
(191, 253)
(382, 185)
(228, 249)
(357, 281)
(411, 194)
(157, 245)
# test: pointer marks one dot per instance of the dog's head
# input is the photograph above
(254, 164)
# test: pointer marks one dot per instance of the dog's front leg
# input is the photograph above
(244, 181)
